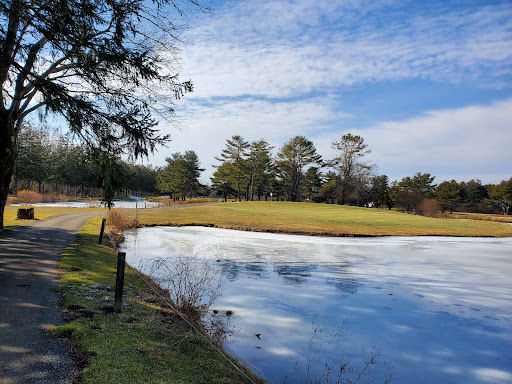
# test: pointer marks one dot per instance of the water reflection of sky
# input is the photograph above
(439, 309)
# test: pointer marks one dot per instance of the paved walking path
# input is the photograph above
(28, 305)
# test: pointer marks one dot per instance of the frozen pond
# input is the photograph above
(95, 204)
(439, 309)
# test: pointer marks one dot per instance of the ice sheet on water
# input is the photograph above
(437, 305)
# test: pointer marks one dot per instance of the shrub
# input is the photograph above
(120, 221)
(117, 223)
(430, 207)
(193, 282)
(29, 197)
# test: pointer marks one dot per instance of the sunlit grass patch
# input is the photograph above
(40, 213)
(319, 219)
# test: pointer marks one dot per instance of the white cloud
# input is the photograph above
(283, 49)
(207, 126)
(464, 143)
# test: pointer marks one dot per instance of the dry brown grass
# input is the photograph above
(117, 222)
(483, 217)
(10, 200)
(29, 197)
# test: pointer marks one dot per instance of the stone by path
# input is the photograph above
(28, 304)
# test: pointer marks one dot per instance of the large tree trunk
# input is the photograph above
(7, 159)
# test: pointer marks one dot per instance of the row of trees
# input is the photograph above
(472, 196)
(59, 165)
(248, 170)
(297, 173)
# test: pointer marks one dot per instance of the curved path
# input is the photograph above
(28, 304)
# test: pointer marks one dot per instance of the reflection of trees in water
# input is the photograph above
(345, 284)
(231, 269)
(294, 273)
(338, 275)
(257, 268)
(342, 279)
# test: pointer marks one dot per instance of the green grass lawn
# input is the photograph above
(146, 343)
(319, 219)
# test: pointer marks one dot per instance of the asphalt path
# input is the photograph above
(28, 304)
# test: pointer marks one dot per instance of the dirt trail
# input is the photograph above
(28, 305)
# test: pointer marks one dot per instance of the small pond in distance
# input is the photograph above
(438, 310)
(95, 204)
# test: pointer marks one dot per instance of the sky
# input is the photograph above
(427, 84)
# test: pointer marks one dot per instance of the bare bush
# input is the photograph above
(327, 362)
(193, 283)
(429, 207)
(117, 223)
(120, 220)
(29, 197)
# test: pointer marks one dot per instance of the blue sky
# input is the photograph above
(428, 84)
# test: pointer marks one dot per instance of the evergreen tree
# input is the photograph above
(235, 154)
(379, 190)
(501, 195)
(449, 195)
(261, 169)
(98, 64)
(473, 193)
(222, 180)
(291, 160)
(312, 183)
(180, 178)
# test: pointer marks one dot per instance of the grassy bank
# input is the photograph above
(40, 213)
(319, 219)
(146, 343)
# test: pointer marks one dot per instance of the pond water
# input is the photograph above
(95, 204)
(437, 310)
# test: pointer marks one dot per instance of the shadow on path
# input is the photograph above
(28, 304)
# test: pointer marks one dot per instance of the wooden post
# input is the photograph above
(102, 230)
(118, 301)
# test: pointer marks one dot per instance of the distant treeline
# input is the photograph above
(249, 171)
(57, 165)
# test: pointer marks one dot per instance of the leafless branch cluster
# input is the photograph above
(193, 282)
(327, 362)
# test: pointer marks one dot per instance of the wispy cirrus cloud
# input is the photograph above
(285, 48)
